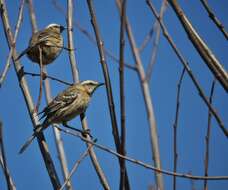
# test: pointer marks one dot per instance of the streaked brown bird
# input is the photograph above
(49, 40)
(65, 106)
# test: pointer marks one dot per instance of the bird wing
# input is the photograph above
(62, 101)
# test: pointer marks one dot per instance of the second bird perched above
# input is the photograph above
(50, 42)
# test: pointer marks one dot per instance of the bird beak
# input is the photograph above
(62, 28)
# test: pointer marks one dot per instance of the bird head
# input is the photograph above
(56, 27)
(91, 85)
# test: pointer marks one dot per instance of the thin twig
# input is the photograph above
(28, 98)
(140, 163)
(9, 180)
(175, 125)
(82, 157)
(207, 137)
(147, 38)
(32, 16)
(156, 41)
(206, 54)
(7, 66)
(186, 66)
(90, 37)
(214, 18)
(148, 102)
(75, 73)
(108, 86)
(123, 184)
(45, 76)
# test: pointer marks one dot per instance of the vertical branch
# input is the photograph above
(75, 74)
(207, 138)
(175, 125)
(156, 42)
(206, 54)
(188, 70)
(148, 103)
(57, 135)
(28, 98)
(111, 104)
(214, 18)
(9, 180)
(122, 96)
(7, 66)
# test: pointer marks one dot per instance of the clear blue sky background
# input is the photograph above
(28, 170)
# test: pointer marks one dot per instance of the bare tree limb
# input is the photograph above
(148, 102)
(140, 163)
(207, 138)
(156, 42)
(123, 185)
(201, 47)
(214, 19)
(7, 66)
(9, 180)
(32, 16)
(175, 125)
(82, 157)
(186, 66)
(111, 105)
(28, 98)
(75, 72)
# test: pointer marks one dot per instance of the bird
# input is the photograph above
(49, 40)
(68, 104)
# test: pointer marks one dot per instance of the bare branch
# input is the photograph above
(201, 47)
(82, 157)
(7, 66)
(175, 125)
(9, 180)
(75, 72)
(123, 184)
(214, 18)
(148, 102)
(140, 163)
(32, 16)
(28, 98)
(186, 66)
(207, 138)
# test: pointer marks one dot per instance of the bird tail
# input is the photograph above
(37, 130)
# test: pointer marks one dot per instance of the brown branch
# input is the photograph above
(9, 180)
(147, 38)
(148, 102)
(206, 54)
(140, 163)
(123, 184)
(214, 18)
(82, 157)
(108, 86)
(75, 73)
(45, 76)
(7, 66)
(175, 125)
(186, 66)
(207, 138)
(156, 42)
(90, 37)
(28, 98)
(32, 16)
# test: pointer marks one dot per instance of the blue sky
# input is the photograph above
(28, 170)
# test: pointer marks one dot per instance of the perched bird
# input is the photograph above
(50, 42)
(65, 106)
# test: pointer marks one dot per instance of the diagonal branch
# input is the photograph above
(214, 18)
(201, 47)
(75, 73)
(148, 102)
(186, 66)
(28, 98)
